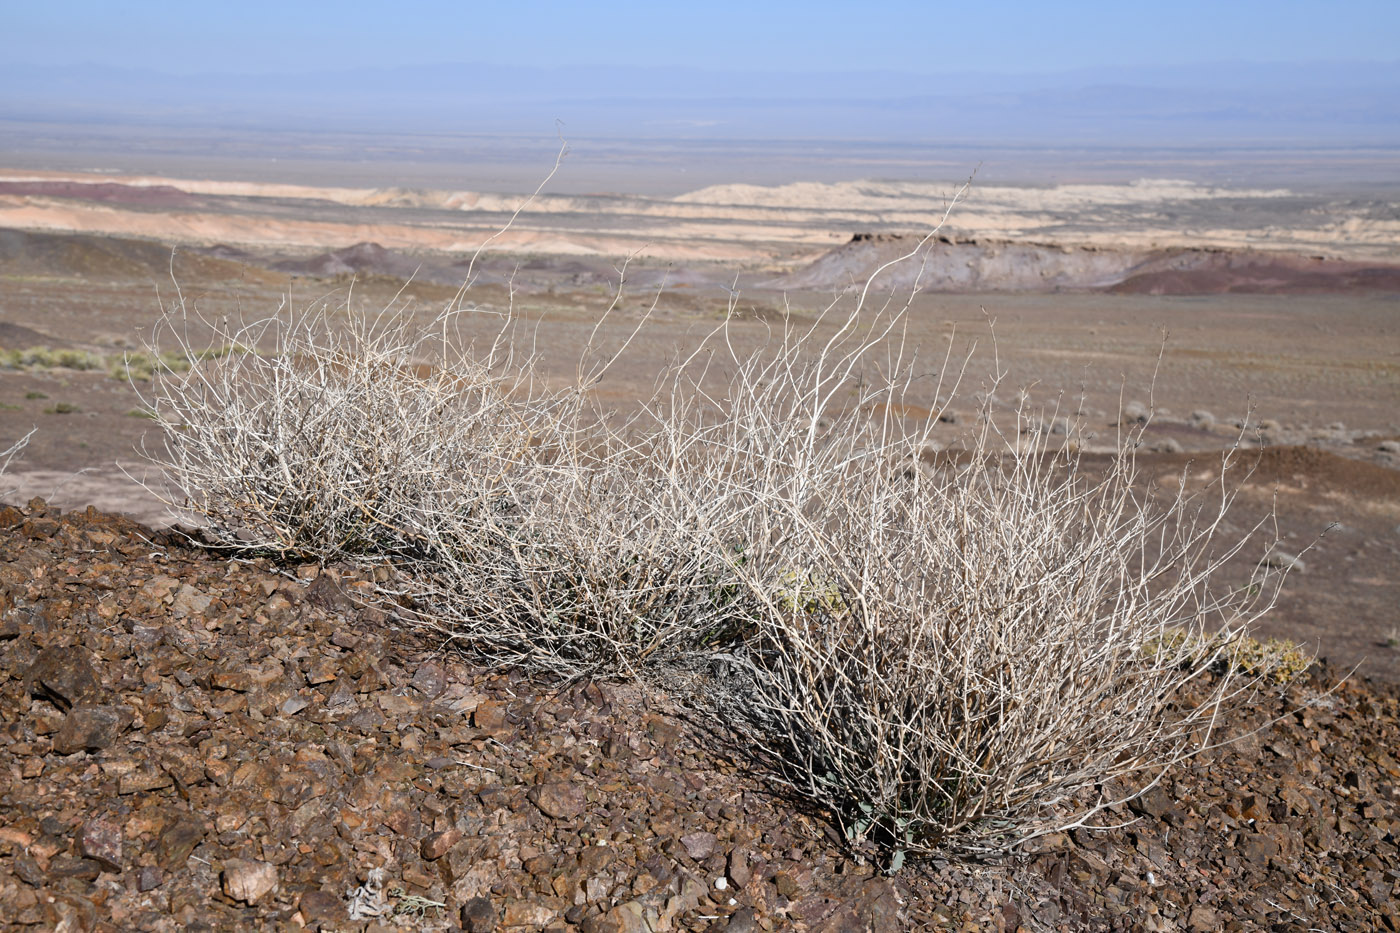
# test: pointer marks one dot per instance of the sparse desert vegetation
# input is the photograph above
(926, 640)
(128, 366)
(45, 358)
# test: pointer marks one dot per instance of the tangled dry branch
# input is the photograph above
(946, 641)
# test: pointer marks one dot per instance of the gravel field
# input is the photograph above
(192, 743)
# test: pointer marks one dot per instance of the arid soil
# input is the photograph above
(193, 743)
(1316, 372)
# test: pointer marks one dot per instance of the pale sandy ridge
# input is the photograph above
(785, 224)
(678, 242)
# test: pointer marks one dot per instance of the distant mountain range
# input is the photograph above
(1328, 104)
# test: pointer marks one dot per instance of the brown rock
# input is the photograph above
(418, 876)
(740, 871)
(700, 845)
(327, 592)
(1050, 842)
(430, 680)
(741, 921)
(435, 845)
(149, 878)
(64, 676)
(91, 728)
(624, 918)
(248, 880)
(143, 781)
(190, 601)
(687, 899)
(878, 908)
(1254, 807)
(478, 916)
(322, 671)
(322, 908)
(101, 840)
(66, 866)
(28, 870)
(72, 913)
(180, 839)
(1203, 920)
(1156, 803)
(490, 716)
(398, 706)
(559, 800)
(1258, 848)
(238, 681)
(527, 914)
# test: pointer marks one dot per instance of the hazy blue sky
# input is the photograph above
(925, 36)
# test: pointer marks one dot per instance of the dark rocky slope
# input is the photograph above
(193, 743)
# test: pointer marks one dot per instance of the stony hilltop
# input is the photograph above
(194, 743)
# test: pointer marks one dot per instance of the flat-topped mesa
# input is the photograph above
(969, 264)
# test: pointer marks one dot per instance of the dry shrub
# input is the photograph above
(46, 358)
(1278, 661)
(591, 567)
(344, 439)
(957, 653)
(948, 654)
(994, 653)
(593, 556)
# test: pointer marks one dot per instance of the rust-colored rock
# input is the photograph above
(322, 909)
(65, 676)
(435, 845)
(101, 840)
(624, 918)
(248, 880)
(91, 728)
(490, 717)
(558, 800)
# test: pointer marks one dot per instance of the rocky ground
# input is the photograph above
(192, 743)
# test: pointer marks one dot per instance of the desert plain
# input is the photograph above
(1258, 317)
